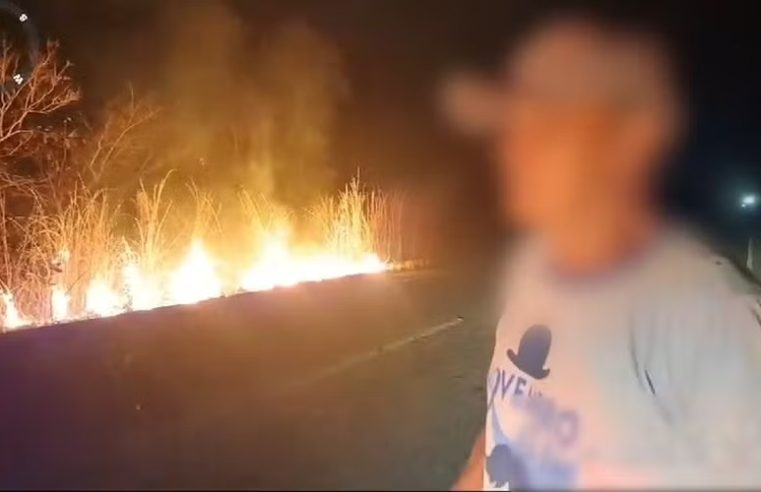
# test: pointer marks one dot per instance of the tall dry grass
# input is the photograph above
(343, 222)
(386, 214)
(88, 238)
(150, 243)
(65, 248)
(81, 212)
(358, 220)
(262, 215)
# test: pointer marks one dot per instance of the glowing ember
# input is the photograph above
(59, 303)
(101, 300)
(278, 267)
(12, 318)
(195, 280)
(138, 283)
(274, 268)
(143, 293)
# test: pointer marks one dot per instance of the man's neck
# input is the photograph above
(595, 244)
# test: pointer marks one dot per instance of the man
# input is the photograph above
(627, 354)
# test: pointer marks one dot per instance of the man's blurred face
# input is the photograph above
(587, 120)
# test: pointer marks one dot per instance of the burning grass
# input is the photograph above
(102, 215)
(93, 259)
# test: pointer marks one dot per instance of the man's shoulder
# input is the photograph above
(700, 320)
(702, 295)
(692, 267)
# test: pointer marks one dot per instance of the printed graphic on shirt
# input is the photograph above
(533, 350)
(534, 451)
(504, 465)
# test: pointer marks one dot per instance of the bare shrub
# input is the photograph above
(116, 156)
(84, 205)
(26, 113)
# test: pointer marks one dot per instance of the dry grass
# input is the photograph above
(66, 248)
(359, 220)
(343, 221)
(81, 241)
(262, 217)
(73, 208)
(151, 242)
(386, 213)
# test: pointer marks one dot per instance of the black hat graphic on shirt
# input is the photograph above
(533, 350)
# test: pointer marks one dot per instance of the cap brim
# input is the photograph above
(472, 104)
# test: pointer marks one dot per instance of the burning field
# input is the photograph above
(130, 210)
(94, 272)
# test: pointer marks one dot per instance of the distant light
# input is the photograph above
(748, 200)
(23, 17)
(18, 78)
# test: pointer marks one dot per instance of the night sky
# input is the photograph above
(396, 52)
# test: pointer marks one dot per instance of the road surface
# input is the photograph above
(362, 383)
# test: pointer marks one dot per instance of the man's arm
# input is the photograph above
(704, 369)
(472, 477)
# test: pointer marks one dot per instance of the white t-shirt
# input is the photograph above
(650, 377)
